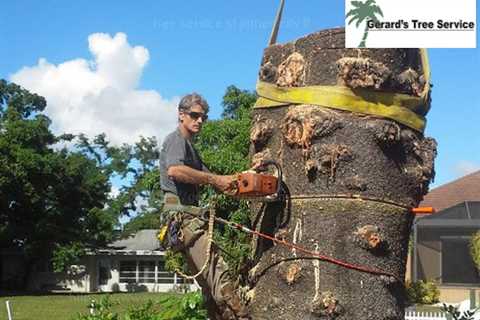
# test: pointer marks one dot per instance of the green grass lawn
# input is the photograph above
(53, 307)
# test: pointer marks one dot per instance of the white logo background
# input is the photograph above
(423, 10)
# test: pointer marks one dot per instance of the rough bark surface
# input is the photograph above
(327, 154)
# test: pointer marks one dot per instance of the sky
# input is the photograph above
(120, 66)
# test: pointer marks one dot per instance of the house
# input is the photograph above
(441, 241)
(133, 264)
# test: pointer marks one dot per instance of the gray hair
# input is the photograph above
(191, 100)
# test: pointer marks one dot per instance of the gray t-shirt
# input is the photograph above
(176, 150)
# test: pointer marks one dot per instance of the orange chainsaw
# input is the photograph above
(251, 184)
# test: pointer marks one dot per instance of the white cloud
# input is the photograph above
(101, 95)
(114, 192)
(462, 168)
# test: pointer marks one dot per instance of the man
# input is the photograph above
(182, 172)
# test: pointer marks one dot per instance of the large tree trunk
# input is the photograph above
(352, 178)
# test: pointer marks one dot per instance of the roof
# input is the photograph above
(464, 189)
(465, 214)
(143, 240)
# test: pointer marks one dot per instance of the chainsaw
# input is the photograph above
(260, 185)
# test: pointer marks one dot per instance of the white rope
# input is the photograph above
(316, 269)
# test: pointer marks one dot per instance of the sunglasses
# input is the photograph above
(195, 115)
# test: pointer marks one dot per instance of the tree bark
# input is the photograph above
(352, 179)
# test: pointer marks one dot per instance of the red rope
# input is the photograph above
(309, 252)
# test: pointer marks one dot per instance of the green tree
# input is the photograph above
(224, 147)
(51, 200)
(135, 165)
(475, 249)
(364, 11)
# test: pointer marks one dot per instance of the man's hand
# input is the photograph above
(225, 184)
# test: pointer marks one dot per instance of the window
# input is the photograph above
(164, 276)
(128, 271)
(143, 271)
(103, 275)
(457, 264)
(146, 272)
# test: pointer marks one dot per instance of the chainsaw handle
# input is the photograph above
(266, 163)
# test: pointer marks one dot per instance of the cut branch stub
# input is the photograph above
(387, 133)
(293, 273)
(268, 72)
(326, 306)
(410, 81)
(368, 237)
(303, 123)
(261, 132)
(291, 72)
(362, 73)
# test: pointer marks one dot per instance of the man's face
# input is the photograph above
(192, 120)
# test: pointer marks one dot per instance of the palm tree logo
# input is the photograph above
(367, 10)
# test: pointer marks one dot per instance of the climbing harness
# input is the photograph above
(211, 225)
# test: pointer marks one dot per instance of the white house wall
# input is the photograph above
(76, 279)
(84, 277)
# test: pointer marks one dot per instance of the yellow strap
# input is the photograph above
(426, 74)
(403, 108)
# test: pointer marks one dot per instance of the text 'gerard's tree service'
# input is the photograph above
(420, 25)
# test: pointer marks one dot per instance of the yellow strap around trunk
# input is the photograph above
(403, 108)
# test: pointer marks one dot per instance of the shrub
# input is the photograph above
(475, 249)
(189, 306)
(102, 311)
(422, 292)
(143, 312)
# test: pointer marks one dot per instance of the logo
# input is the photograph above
(364, 11)
(410, 24)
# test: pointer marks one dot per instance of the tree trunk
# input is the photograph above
(352, 179)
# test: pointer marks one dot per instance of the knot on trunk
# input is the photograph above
(410, 82)
(291, 72)
(387, 133)
(268, 72)
(362, 73)
(326, 305)
(303, 123)
(261, 133)
(290, 273)
(425, 151)
(368, 237)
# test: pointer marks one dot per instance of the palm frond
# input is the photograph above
(356, 3)
(377, 10)
(352, 13)
(353, 19)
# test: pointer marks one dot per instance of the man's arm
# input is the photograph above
(185, 174)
